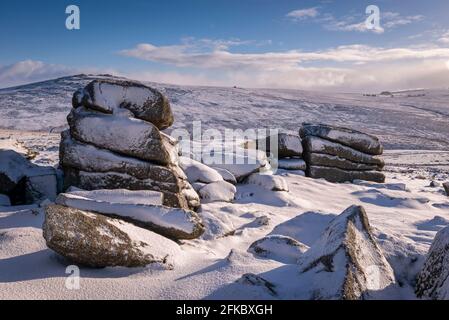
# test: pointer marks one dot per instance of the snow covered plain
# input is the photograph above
(405, 212)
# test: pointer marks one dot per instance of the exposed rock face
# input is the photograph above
(4, 201)
(340, 154)
(292, 164)
(178, 194)
(89, 158)
(288, 145)
(280, 248)
(325, 160)
(142, 208)
(321, 146)
(24, 182)
(338, 175)
(269, 182)
(253, 280)
(96, 241)
(433, 280)
(109, 95)
(446, 188)
(357, 140)
(114, 142)
(127, 136)
(346, 262)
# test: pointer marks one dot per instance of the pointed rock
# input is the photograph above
(346, 262)
(433, 280)
(446, 188)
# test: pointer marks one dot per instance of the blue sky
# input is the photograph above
(262, 43)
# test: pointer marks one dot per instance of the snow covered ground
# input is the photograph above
(405, 212)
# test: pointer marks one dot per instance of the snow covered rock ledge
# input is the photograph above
(108, 95)
(127, 136)
(96, 241)
(142, 208)
(433, 280)
(346, 262)
(268, 182)
(358, 140)
(280, 248)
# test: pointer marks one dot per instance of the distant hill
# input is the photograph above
(416, 119)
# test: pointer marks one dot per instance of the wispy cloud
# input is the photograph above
(356, 67)
(31, 71)
(355, 22)
(444, 38)
(191, 56)
(303, 14)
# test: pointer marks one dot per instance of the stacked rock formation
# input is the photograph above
(115, 142)
(340, 154)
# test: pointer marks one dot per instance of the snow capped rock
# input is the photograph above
(89, 158)
(346, 262)
(357, 140)
(220, 191)
(13, 167)
(198, 172)
(143, 208)
(96, 241)
(269, 182)
(110, 95)
(338, 175)
(4, 200)
(433, 280)
(288, 145)
(173, 196)
(280, 248)
(127, 136)
(255, 281)
(325, 160)
(23, 181)
(90, 168)
(226, 175)
(318, 145)
(241, 164)
(292, 164)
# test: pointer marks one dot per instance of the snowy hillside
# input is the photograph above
(269, 238)
(406, 120)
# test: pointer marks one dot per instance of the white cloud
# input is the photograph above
(354, 23)
(352, 67)
(444, 38)
(31, 71)
(303, 14)
(182, 56)
(393, 19)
